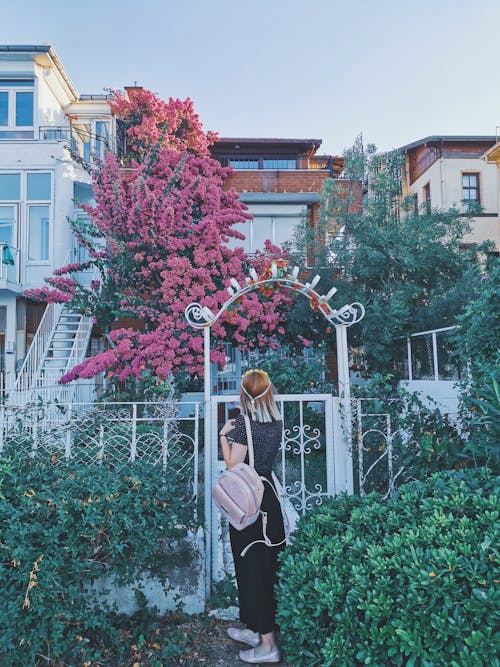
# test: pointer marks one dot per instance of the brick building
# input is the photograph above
(280, 180)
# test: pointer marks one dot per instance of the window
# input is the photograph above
(102, 133)
(263, 163)
(427, 197)
(91, 138)
(16, 108)
(38, 235)
(25, 217)
(470, 190)
(277, 229)
(38, 189)
(8, 233)
(244, 164)
(10, 187)
(279, 164)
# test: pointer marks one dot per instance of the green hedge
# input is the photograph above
(65, 527)
(410, 581)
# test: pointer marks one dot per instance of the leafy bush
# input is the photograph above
(482, 410)
(424, 441)
(408, 581)
(65, 528)
(292, 373)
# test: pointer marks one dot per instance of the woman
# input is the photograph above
(256, 571)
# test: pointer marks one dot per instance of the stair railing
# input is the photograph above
(77, 355)
(27, 377)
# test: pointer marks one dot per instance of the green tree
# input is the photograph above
(476, 347)
(403, 264)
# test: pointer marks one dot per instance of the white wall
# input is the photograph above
(52, 98)
(443, 392)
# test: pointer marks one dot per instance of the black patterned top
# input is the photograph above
(266, 438)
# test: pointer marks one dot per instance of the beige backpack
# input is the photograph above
(239, 491)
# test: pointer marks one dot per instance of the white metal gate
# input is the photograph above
(313, 464)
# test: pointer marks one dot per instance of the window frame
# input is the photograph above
(12, 91)
(477, 201)
(28, 204)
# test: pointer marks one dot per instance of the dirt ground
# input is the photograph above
(211, 647)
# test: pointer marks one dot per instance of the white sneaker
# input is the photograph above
(246, 636)
(250, 656)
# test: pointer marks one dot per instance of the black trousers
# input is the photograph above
(256, 572)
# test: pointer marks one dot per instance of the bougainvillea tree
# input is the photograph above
(150, 121)
(158, 237)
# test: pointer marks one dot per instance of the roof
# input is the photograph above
(23, 48)
(269, 140)
(47, 55)
(493, 153)
(435, 139)
(266, 145)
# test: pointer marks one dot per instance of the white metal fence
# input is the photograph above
(313, 463)
(111, 434)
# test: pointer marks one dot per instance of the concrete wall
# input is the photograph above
(444, 393)
(185, 584)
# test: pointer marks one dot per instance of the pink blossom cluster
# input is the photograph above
(46, 295)
(152, 121)
(163, 229)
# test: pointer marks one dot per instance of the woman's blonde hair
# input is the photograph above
(257, 396)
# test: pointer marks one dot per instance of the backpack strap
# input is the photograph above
(266, 539)
(249, 440)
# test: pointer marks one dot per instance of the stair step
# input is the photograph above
(62, 340)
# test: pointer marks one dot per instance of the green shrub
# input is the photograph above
(482, 410)
(408, 581)
(424, 441)
(66, 527)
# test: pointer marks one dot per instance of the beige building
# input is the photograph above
(444, 172)
(492, 157)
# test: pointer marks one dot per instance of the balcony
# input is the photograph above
(9, 268)
(326, 163)
(82, 139)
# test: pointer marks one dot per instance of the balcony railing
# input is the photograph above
(427, 355)
(280, 162)
(80, 140)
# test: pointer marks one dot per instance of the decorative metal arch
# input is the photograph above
(200, 316)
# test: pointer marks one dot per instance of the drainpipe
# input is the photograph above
(443, 185)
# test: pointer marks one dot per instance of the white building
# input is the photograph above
(44, 123)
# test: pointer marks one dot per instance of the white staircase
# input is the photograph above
(60, 343)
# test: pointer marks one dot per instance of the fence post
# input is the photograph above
(35, 434)
(3, 425)
(164, 453)
(196, 445)
(67, 448)
(133, 444)
(389, 455)
(345, 402)
(207, 452)
(360, 447)
(100, 456)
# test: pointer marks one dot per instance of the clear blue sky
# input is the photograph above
(395, 70)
